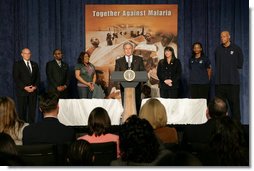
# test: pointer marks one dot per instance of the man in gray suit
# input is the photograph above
(130, 61)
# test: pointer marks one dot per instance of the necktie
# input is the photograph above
(129, 62)
(27, 64)
(59, 63)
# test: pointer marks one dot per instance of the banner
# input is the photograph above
(149, 27)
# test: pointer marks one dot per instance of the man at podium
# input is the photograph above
(135, 63)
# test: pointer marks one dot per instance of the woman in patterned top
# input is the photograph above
(85, 74)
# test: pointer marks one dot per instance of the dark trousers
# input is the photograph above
(199, 91)
(27, 107)
(168, 93)
(232, 94)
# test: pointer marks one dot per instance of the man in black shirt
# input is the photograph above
(228, 60)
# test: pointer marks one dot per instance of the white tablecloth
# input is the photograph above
(184, 111)
(76, 111)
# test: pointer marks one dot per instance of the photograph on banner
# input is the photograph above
(150, 28)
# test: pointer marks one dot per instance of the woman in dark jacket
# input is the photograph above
(169, 73)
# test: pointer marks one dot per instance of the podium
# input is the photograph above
(129, 79)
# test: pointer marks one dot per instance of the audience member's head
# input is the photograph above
(154, 111)
(7, 144)
(227, 143)
(146, 90)
(9, 120)
(138, 142)
(98, 121)
(48, 104)
(80, 153)
(217, 108)
(8, 151)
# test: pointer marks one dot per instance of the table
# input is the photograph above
(184, 111)
(75, 112)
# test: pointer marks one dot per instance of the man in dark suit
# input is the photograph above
(58, 75)
(26, 76)
(49, 130)
(130, 61)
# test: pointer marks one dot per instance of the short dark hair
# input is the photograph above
(98, 121)
(48, 102)
(56, 50)
(201, 46)
(217, 107)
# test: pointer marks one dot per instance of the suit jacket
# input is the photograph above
(171, 71)
(136, 65)
(22, 77)
(56, 75)
(49, 130)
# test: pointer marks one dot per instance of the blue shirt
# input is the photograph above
(198, 70)
(227, 62)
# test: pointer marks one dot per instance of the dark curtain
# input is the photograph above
(44, 25)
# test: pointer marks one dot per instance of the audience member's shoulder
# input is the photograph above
(113, 136)
(25, 125)
(70, 129)
(29, 126)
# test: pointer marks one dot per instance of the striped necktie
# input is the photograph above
(129, 62)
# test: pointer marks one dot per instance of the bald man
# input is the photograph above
(26, 76)
(228, 61)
